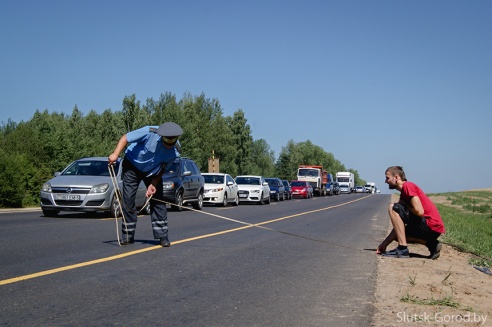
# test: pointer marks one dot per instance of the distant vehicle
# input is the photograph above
(86, 186)
(373, 187)
(367, 188)
(301, 189)
(336, 188)
(329, 184)
(183, 183)
(253, 189)
(288, 189)
(220, 189)
(315, 175)
(359, 189)
(346, 181)
(277, 188)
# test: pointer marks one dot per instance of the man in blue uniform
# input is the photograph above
(150, 150)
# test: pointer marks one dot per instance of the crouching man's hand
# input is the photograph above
(381, 248)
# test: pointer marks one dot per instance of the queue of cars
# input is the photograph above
(85, 185)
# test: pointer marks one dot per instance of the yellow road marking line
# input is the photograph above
(155, 247)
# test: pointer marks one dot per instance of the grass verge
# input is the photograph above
(468, 220)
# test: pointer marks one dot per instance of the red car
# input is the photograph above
(301, 189)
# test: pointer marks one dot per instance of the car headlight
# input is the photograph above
(100, 188)
(168, 185)
(273, 191)
(46, 187)
(217, 189)
(255, 191)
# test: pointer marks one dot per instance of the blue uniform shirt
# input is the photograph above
(146, 151)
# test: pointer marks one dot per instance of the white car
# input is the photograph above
(220, 189)
(253, 189)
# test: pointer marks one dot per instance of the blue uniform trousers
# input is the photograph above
(158, 212)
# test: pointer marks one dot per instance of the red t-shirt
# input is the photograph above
(433, 218)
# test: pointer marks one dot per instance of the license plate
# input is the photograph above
(68, 197)
(243, 195)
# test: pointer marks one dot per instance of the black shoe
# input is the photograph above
(126, 241)
(397, 253)
(435, 250)
(165, 242)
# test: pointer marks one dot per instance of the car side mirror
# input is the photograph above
(187, 173)
(230, 183)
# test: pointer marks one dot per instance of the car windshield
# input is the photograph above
(308, 172)
(248, 181)
(272, 182)
(297, 184)
(214, 179)
(90, 168)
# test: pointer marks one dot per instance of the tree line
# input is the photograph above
(31, 152)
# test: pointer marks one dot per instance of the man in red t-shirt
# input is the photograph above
(415, 218)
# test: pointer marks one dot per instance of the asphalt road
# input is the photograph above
(305, 263)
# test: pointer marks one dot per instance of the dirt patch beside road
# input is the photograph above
(422, 292)
(449, 285)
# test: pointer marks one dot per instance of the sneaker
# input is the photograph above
(397, 253)
(435, 251)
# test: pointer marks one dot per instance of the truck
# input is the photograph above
(346, 181)
(316, 176)
(371, 187)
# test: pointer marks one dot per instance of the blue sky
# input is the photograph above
(376, 83)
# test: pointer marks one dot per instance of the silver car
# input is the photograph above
(86, 186)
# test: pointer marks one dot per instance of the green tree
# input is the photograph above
(133, 117)
(243, 140)
(262, 157)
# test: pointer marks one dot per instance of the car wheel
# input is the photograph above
(115, 208)
(283, 197)
(50, 213)
(198, 204)
(178, 202)
(224, 202)
(268, 200)
(236, 202)
(262, 201)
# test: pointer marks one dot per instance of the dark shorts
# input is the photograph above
(415, 226)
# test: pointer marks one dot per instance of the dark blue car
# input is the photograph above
(288, 189)
(277, 189)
